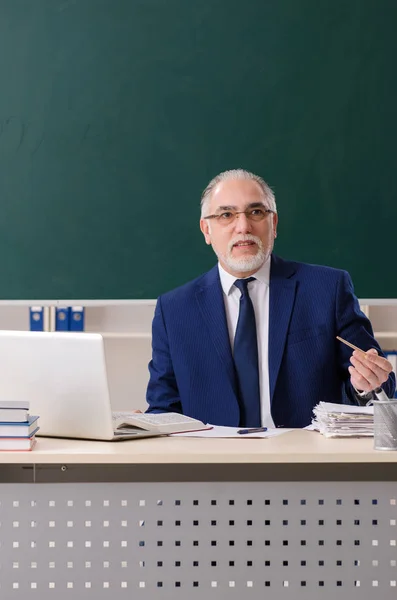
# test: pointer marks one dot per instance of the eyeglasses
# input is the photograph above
(229, 216)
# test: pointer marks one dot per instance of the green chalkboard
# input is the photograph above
(115, 114)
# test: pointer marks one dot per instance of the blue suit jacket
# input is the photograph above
(192, 368)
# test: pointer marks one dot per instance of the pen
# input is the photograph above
(350, 344)
(379, 393)
(253, 430)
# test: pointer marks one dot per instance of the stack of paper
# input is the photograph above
(341, 420)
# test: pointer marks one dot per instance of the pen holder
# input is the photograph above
(385, 424)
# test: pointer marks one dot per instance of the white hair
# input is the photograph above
(238, 174)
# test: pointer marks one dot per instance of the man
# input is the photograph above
(253, 341)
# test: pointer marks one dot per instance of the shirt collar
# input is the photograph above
(227, 280)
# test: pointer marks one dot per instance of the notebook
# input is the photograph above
(63, 377)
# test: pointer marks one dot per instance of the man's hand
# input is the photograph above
(369, 370)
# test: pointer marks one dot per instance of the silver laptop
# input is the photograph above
(63, 376)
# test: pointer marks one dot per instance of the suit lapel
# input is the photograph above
(211, 304)
(282, 296)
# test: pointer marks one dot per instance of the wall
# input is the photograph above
(127, 335)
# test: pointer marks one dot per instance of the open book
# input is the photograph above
(164, 423)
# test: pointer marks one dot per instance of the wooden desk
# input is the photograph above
(297, 516)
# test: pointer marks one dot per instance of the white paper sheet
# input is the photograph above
(347, 409)
(231, 432)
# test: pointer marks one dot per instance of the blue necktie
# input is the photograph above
(245, 354)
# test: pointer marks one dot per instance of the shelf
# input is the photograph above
(122, 335)
(385, 334)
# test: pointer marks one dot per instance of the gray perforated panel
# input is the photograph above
(198, 540)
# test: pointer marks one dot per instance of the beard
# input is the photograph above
(245, 264)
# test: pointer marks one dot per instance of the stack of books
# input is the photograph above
(17, 428)
(341, 420)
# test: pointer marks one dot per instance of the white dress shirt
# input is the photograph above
(259, 294)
